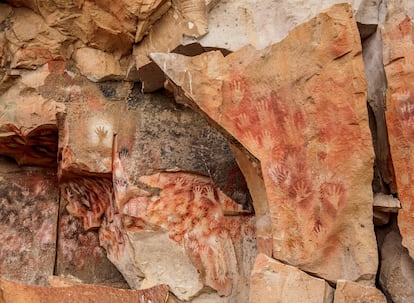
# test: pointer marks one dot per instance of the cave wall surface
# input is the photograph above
(206, 151)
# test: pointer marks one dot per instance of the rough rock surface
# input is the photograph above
(399, 67)
(11, 292)
(82, 205)
(396, 273)
(316, 183)
(74, 73)
(28, 127)
(181, 217)
(352, 292)
(28, 216)
(273, 281)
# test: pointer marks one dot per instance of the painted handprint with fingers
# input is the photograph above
(101, 132)
(237, 92)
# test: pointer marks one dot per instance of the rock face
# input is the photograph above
(396, 274)
(352, 292)
(28, 126)
(254, 95)
(11, 292)
(180, 217)
(248, 176)
(399, 68)
(28, 216)
(273, 281)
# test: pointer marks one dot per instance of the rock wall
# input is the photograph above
(207, 151)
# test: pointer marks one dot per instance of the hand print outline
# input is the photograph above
(237, 92)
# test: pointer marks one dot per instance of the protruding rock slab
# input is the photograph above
(272, 281)
(396, 274)
(352, 292)
(11, 292)
(28, 216)
(28, 126)
(399, 67)
(297, 116)
(183, 217)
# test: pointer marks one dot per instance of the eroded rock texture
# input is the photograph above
(28, 127)
(396, 273)
(150, 193)
(28, 216)
(181, 217)
(297, 117)
(352, 292)
(83, 202)
(11, 292)
(398, 61)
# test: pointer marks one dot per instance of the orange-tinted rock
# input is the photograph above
(29, 203)
(352, 292)
(297, 116)
(273, 281)
(11, 292)
(83, 201)
(181, 217)
(31, 42)
(252, 173)
(28, 126)
(399, 67)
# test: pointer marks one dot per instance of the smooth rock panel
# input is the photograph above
(297, 117)
(399, 67)
(275, 282)
(352, 292)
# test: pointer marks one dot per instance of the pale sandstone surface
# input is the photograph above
(275, 282)
(316, 183)
(352, 292)
(399, 67)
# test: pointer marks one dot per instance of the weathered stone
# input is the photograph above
(396, 273)
(164, 136)
(28, 127)
(384, 179)
(297, 117)
(352, 292)
(251, 172)
(181, 217)
(30, 42)
(11, 292)
(272, 281)
(85, 138)
(83, 201)
(233, 25)
(384, 205)
(97, 65)
(399, 67)
(28, 217)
